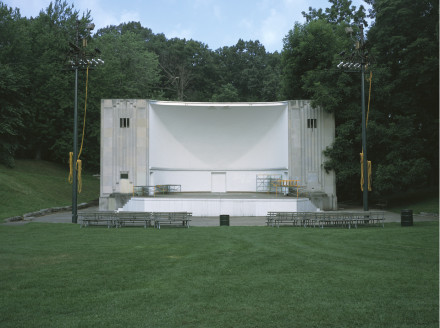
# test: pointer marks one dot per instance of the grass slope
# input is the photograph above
(35, 185)
(54, 275)
(430, 204)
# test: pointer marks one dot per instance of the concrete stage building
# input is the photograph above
(217, 153)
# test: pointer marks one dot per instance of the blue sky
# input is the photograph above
(216, 23)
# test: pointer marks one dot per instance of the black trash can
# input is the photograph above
(224, 220)
(406, 218)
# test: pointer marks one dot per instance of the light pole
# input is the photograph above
(80, 59)
(359, 58)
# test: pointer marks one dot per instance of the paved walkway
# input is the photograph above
(66, 217)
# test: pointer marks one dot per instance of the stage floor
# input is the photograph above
(214, 204)
(223, 195)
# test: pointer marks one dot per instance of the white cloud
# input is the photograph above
(129, 16)
(246, 23)
(179, 32)
(218, 12)
(29, 8)
(272, 28)
(278, 21)
(201, 3)
(101, 17)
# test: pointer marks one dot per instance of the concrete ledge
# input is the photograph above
(218, 206)
(46, 211)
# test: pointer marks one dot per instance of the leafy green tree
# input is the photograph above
(14, 81)
(130, 70)
(310, 57)
(404, 40)
(250, 70)
(340, 11)
(226, 93)
(49, 123)
(186, 69)
(403, 120)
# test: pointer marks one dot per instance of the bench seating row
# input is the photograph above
(323, 219)
(147, 219)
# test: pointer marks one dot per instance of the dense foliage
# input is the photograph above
(402, 133)
(37, 88)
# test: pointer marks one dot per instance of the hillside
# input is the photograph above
(34, 185)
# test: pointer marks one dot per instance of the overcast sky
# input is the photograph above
(216, 23)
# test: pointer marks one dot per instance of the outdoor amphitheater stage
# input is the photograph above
(214, 204)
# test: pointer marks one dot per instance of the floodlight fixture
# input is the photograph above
(80, 59)
(360, 59)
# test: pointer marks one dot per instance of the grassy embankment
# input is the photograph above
(425, 202)
(35, 185)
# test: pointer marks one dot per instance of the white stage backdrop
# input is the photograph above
(214, 137)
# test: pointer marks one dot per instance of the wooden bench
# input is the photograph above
(171, 218)
(294, 218)
(323, 219)
(147, 219)
(133, 218)
(98, 218)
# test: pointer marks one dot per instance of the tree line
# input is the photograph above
(37, 86)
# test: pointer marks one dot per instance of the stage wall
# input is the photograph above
(217, 148)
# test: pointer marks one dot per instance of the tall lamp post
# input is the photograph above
(356, 60)
(79, 59)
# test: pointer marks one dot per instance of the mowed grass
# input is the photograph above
(35, 185)
(58, 275)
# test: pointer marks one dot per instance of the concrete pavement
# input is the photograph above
(66, 217)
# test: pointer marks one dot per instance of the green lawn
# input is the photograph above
(58, 275)
(430, 204)
(35, 185)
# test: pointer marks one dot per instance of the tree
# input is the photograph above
(14, 81)
(130, 70)
(250, 70)
(184, 64)
(402, 129)
(309, 50)
(341, 11)
(404, 39)
(226, 93)
(50, 99)
(310, 56)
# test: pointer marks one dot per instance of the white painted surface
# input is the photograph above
(214, 137)
(216, 207)
(218, 181)
(201, 181)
